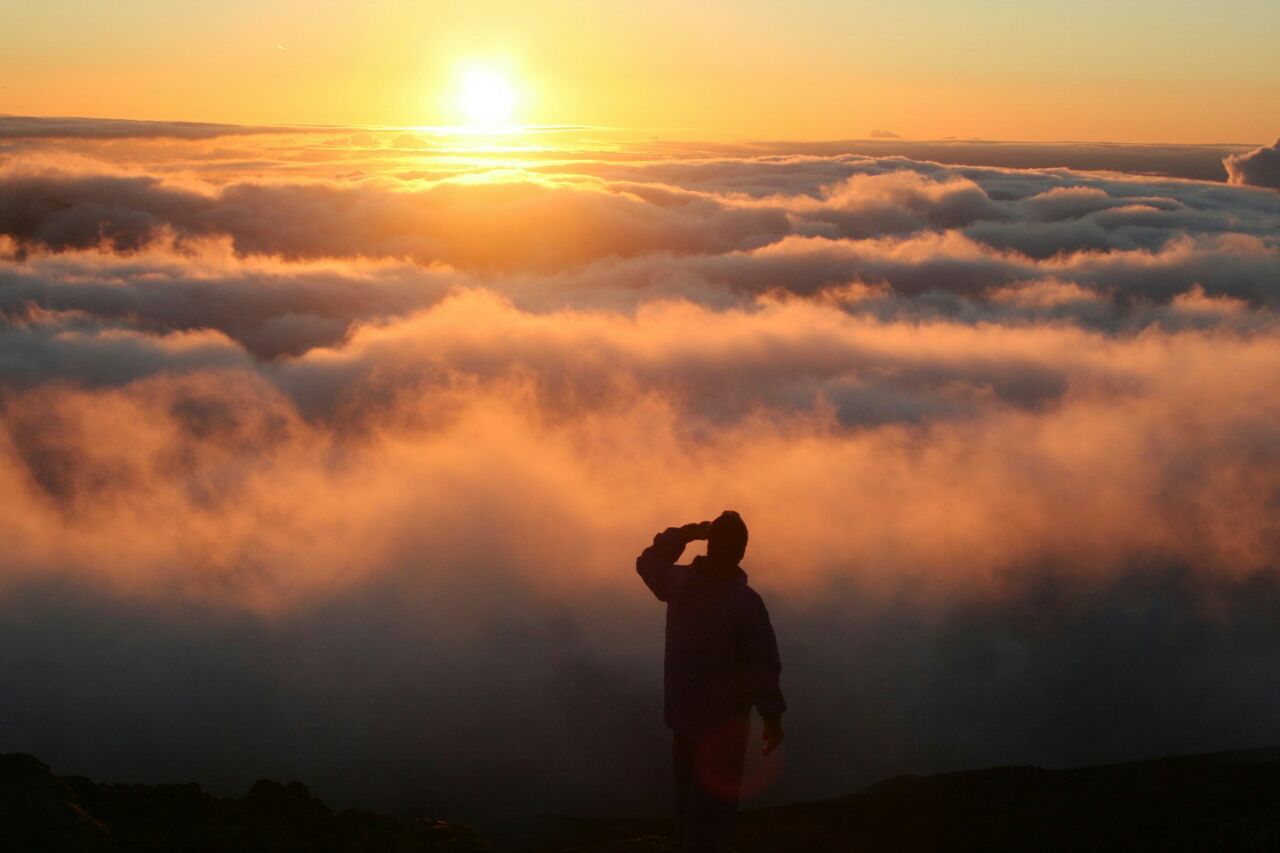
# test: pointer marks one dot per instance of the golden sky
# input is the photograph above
(1038, 70)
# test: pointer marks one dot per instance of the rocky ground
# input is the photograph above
(40, 811)
(1222, 801)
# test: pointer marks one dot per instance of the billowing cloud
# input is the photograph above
(506, 224)
(1258, 168)
(341, 477)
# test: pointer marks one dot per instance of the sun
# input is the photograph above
(486, 99)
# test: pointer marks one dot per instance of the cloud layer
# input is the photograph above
(41, 127)
(371, 439)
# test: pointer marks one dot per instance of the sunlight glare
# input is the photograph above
(486, 99)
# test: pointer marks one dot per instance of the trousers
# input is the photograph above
(708, 781)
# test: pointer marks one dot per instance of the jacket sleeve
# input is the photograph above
(657, 563)
(762, 663)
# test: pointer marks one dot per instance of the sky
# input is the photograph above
(1143, 71)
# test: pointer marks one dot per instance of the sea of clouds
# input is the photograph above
(327, 455)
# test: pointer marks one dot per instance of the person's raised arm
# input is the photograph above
(763, 668)
(657, 563)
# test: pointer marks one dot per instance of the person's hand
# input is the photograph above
(696, 530)
(772, 734)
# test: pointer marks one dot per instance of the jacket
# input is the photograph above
(721, 653)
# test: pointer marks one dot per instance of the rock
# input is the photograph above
(41, 813)
(446, 835)
(291, 802)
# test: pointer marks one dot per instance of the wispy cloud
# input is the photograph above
(42, 127)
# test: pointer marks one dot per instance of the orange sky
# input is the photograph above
(1048, 69)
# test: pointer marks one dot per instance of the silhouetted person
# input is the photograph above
(721, 660)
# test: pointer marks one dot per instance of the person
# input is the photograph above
(721, 659)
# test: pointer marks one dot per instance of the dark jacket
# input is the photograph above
(722, 656)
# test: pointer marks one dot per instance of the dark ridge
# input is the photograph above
(1226, 801)
(44, 813)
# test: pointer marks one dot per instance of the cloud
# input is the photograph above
(61, 127)
(1193, 162)
(545, 225)
(1258, 168)
(341, 478)
(271, 308)
(884, 134)
(486, 225)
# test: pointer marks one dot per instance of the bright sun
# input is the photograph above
(486, 99)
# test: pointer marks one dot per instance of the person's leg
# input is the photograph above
(699, 823)
(682, 757)
(713, 797)
(728, 755)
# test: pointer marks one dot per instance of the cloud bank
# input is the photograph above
(333, 463)
(1258, 168)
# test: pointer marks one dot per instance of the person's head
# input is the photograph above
(727, 538)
